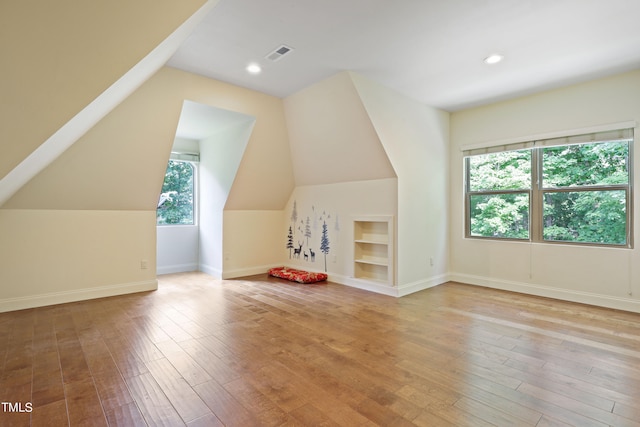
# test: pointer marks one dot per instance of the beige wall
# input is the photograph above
(118, 164)
(118, 167)
(220, 157)
(49, 256)
(59, 56)
(341, 171)
(604, 276)
(331, 135)
(251, 239)
(337, 205)
(360, 133)
(130, 147)
(416, 138)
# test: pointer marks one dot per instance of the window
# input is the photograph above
(570, 190)
(176, 203)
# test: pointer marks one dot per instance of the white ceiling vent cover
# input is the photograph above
(278, 53)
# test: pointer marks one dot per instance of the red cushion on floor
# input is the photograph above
(299, 276)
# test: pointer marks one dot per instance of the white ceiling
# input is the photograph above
(431, 50)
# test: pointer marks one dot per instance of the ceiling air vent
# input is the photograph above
(278, 53)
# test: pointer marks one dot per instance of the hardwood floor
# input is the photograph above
(262, 351)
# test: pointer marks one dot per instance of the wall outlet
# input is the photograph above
(144, 264)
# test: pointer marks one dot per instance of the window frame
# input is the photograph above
(536, 194)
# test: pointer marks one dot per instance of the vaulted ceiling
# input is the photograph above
(431, 50)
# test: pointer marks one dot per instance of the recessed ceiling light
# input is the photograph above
(254, 68)
(493, 59)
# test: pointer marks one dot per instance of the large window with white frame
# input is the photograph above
(571, 190)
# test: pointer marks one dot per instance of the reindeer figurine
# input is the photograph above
(306, 255)
(313, 255)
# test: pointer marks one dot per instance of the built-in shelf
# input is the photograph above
(373, 249)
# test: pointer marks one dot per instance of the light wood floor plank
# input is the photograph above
(260, 351)
(185, 401)
(154, 405)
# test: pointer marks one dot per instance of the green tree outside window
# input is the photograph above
(580, 193)
(176, 203)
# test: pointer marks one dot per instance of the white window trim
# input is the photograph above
(535, 231)
(549, 135)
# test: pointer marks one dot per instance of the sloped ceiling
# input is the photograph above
(430, 50)
(87, 77)
(120, 163)
(57, 57)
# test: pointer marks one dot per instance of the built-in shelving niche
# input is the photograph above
(373, 249)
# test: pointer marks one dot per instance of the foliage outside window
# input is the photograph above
(500, 186)
(176, 203)
(577, 193)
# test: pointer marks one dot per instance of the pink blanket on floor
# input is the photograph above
(299, 276)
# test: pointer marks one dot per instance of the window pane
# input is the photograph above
(603, 163)
(500, 215)
(507, 170)
(586, 216)
(176, 200)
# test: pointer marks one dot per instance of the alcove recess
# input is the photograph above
(373, 249)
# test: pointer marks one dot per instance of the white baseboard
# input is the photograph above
(216, 273)
(393, 291)
(367, 285)
(32, 301)
(421, 285)
(335, 278)
(618, 303)
(249, 271)
(178, 268)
